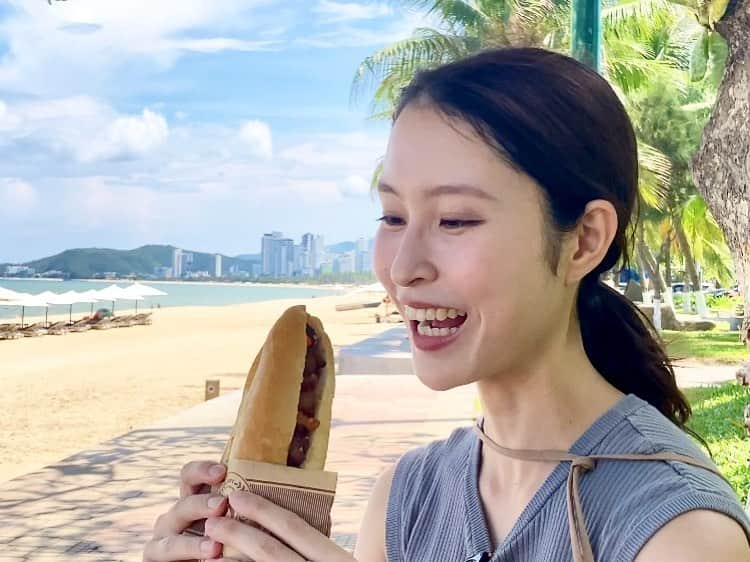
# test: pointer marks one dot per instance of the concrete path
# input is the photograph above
(99, 505)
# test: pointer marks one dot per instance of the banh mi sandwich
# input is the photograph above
(285, 414)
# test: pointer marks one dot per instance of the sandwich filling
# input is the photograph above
(307, 406)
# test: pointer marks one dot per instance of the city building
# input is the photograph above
(277, 255)
(182, 262)
(217, 266)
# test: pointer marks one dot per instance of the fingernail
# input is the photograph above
(210, 524)
(207, 546)
(214, 502)
(217, 470)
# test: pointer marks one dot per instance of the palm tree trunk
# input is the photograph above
(722, 166)
(668, 260)
(647, 258)
(690, 268)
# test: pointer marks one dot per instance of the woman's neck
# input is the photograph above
(548, 405)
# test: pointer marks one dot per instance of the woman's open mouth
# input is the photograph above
(434, 328)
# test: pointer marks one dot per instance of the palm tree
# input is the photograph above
(715, 168)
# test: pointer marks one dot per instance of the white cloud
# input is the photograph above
(355, 186)
(257, 136)
(82, 127)
(334, 151)
(127, 137)
(334, 12)
(349, 35)
(8, 121)
(17, 198)
(75, 46)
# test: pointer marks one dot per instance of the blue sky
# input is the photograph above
(198, 123)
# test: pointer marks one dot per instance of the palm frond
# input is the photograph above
(426, 48)
(655, 175)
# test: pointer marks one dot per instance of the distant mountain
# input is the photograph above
(86, 263)
(341, 247)
(248, 257)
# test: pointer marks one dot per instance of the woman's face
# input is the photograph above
(461, 252)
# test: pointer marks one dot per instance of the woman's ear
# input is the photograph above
(587, 245)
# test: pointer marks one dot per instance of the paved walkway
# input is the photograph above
(99, 505)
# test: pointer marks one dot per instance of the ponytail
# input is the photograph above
(626, 349)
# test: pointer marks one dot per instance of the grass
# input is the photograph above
(717, 417)
(714, 346)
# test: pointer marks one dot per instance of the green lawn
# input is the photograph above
(714, 346)
(717, 417)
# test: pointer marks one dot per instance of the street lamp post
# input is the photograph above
(586, 32)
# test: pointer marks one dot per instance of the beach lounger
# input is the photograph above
(103, 324)
(143, 319)
(33, 330)
(11, 332)
(57, 329)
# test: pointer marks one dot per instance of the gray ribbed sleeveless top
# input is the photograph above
(435, 513)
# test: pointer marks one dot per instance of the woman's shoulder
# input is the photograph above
(420, 469)
(636, 498)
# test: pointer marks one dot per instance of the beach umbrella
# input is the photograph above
(48, 297)
(145, 290)
(93, 296)
(25, 301)
(111, 293)
(134, 293)
(8, 295)
(70, 298)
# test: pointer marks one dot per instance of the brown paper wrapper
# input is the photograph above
(308, 493)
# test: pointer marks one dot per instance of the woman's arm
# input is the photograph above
(371, 538)
(697, 536)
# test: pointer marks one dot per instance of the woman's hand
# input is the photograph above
(196, 502)
(305, 542)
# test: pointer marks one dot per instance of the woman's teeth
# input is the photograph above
(440, 314)
(424, 329)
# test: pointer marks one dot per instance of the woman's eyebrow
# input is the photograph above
(448, 189)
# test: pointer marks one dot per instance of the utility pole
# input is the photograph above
(586, 32)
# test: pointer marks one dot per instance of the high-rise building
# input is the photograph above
(177, 263)
(277, 255)
(269, 253)
(217, 266)
(363, 262)
(307, 256)
(345, 263)
(286, 257)
(318, 252)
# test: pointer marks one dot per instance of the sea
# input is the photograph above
(178, 294)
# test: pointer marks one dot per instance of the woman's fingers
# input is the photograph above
(175, 548)
(197, 475)
(188, 510)
(252, 542)
(288, 526)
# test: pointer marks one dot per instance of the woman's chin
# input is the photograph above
(438, 378)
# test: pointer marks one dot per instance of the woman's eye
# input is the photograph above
(457, 224)
(391, 220)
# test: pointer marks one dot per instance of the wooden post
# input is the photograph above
(212, 388)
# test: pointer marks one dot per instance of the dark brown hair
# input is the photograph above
(559, 122)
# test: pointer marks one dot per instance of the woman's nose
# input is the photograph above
(411, 264)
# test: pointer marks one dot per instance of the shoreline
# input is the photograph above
(324, 286)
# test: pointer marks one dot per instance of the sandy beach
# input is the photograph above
(66, 393)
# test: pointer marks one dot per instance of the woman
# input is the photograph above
(507, 189)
